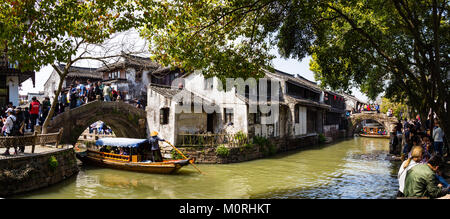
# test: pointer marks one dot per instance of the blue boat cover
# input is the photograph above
(121, 142)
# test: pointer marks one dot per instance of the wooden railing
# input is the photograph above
(31, 140)
(110, 156)
(211, 140)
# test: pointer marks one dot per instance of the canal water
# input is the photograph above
(353, 168)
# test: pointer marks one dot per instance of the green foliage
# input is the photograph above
(240, 136)
(52, 162)
(197, 34)
(222, 151)
(176, 155)
(397, 108)
(322, 138)
(249, 146)
(265, 145)
(39, 33)
(397, 47)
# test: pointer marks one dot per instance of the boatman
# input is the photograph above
(154, 143)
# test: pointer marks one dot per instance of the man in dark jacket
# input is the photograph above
(421, 180)
(154, 143)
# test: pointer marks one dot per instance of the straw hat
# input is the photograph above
(154, 133)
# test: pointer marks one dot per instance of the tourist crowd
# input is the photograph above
(78, 94)
(421, 147)
(368, 108)
(15, 121)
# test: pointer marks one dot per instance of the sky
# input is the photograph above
(291, 66)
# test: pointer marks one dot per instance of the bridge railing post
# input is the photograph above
(35, 138)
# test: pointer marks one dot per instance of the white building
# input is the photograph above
(10, 79)
(295, 109)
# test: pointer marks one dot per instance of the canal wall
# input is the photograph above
(224, 155)
(28, 173)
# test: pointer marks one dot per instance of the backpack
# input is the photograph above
(15, 130)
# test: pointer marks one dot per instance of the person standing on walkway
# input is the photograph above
(46, 105)
(438, 138)
(154, 143)
(34, 112)
(399, 133)
(26, 117)
(9, 131)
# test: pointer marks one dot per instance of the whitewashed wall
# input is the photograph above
(155, 103)
(13, 84)
(195, 83)
(300, 128)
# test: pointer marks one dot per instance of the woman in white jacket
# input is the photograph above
(413, 160)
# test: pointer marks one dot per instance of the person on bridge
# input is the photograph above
(154, 143)
(107, 92)
(91, 96)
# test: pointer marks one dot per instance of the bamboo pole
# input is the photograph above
(191, 162)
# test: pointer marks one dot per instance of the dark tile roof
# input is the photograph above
(82, 72)
(172, 92)
(162, 71)
(131, 61)
(305, 102)
(297, 79)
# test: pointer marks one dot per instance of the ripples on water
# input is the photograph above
(329, 172)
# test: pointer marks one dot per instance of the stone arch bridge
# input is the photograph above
(387, 122)
(124, 119)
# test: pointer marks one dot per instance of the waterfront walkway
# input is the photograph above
(38, 150)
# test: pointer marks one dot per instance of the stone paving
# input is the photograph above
(38, 150)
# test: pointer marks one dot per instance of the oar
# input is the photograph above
(191, 162)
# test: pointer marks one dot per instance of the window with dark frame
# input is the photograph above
(257, 117)
(164, 116)
(208, 84)
(229, 115)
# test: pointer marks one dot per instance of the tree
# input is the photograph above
(393, 46)
(49, 32)
(399, 110)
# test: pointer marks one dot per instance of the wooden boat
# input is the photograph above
(373, 131)
(135, 161)
(374, 136)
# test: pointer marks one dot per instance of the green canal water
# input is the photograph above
(354, 168)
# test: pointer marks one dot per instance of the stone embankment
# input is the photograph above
(224, 155)
(25, 173)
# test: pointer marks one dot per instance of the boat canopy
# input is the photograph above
(121, 142)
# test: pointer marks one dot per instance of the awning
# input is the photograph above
(121, 142)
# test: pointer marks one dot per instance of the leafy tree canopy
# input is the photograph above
(394, 46)
(42, 32)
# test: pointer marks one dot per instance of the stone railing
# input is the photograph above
(31, 140)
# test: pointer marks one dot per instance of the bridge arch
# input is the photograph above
(124, 119)
(387, 122)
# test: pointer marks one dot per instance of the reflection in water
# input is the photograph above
(330, 171)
